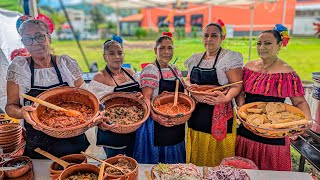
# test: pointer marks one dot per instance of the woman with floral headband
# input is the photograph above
(211, 128)
(159, 139)
(114, 78)
(35, 74)
(269, 79)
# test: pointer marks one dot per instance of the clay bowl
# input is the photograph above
(1, 175)
(65, 94)
(121, 99)
(20, 171)
(167, 97)
(130, 176)
(10, 134)
(82, 168)
(56, 169)
(7, 128)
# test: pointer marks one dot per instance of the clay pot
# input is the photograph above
(20, 171)
(121, 99)
(65, 94)
(130, 176)
(85, 168)
(56, 169)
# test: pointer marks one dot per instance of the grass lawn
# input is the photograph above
(301, 53)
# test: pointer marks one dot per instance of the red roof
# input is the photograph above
(132, 18)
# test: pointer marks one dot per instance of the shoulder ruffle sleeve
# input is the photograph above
(278, 84)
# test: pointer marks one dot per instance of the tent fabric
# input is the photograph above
(9, 37)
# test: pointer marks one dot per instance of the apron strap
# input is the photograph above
(158, 65)
(110, 73)
(128, 74)
(215, 61)
(55, 68)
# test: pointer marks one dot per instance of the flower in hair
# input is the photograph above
(221, 23)
(19, 52)
(284, 33)
(167, 34)
(47, 21)
(117, 38)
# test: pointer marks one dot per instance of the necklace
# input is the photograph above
(120, 76)
(267, 67)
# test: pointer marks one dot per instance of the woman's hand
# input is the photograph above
(217, 97)
(191, 86)
(162, 120)
(107, 127)
(99, 119)
(139, 95)
(25, 110)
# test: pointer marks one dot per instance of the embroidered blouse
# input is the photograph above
(150, 77)
(280, 85)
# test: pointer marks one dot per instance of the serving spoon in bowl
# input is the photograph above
(175, 107)
(63, 163)
(68, 112)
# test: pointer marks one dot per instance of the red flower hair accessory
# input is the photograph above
(167, 34)
(19, 52)
(47, 21)
(221, 23)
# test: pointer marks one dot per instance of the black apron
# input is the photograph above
(201, 118)
(168, 136)
(108, 138)
(244, 132)
(56, 146)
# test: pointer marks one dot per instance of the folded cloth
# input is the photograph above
(221, 114)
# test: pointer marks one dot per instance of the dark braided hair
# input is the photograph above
(275, 33)
(215, 25)
(107, 44)
(161, 38)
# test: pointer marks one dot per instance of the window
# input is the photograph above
(179, 21)
(161, 22)
(197, 20)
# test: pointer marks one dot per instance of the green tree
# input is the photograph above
(57, 18)
(97, 17)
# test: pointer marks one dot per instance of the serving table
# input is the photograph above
(41, 172)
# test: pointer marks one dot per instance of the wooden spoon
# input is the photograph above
(175, 107)
(148, 175)
(63, 163)
(101, 173)
(221, 87)
(68, 112)
(99, 160)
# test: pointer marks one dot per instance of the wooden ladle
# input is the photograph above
(63, 163)
(175, 107)
(68, 112)
(103, 162)
(221, 87)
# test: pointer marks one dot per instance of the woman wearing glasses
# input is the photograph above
(34, 75)
(114, 78)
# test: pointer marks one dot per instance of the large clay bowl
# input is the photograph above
(65, 94)
(20, 170)
(56, 169)
(82, 168)
(121, 99)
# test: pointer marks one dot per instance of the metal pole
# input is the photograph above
(33, 8)
(118, 18)
(74, 34)
(251, 28)
(210, 14)
(284, 12)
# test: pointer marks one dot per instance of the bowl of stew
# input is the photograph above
(57, 123)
